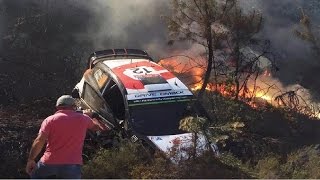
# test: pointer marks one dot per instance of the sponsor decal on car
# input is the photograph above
(160, 94)
(147, 82)
(159, 97)
(143, 76)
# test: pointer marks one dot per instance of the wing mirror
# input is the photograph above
(75, 93)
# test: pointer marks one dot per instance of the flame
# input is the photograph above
(195, 70)
(192, 71)
(263, 96)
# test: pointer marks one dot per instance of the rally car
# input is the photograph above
(138, 98)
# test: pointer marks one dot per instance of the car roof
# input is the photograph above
(97, 56)
(145, 79)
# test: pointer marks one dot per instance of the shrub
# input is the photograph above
(116, 162)
(208, 166)
(269, 168)
(129, 160)
(159, 168)
(301, 164)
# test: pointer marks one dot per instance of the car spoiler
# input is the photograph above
(116, 53)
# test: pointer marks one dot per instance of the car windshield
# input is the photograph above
(158, 119)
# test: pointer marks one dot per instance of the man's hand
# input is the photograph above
(91, 113)
(31, 165)
(99, 126)
(36, 147)
(88, 112)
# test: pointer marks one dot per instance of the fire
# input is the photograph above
(189, 70)
(263, 96)
(193, 70)
(257, 93)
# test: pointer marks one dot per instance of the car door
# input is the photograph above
(91, 96)
(110, 91)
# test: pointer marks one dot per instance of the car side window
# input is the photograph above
(113, 96)
(93, 100)
(91, 97)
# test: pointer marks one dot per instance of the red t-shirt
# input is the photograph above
(66, 130)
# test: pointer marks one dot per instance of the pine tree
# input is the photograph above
(216, 25)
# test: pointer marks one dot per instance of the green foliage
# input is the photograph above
(229, 159)
(208, 166)
(269, 168)
(117, 162)
(193, 124)
(127, 161)
(160, 168)
(301, 164)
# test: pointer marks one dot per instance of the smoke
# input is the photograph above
(138, 24)
(130, 24)
(2, 22)
(296, 60)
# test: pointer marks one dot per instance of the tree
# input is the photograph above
(218, 26)
(240, 35)
(193, 20)
(306, 32)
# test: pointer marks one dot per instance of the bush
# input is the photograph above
(301, 164)
(117, 162)
(159, 168)
(269, 168)
(208, 167)
(132, 161)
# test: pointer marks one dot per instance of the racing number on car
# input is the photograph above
(137, 72)
(141, 70)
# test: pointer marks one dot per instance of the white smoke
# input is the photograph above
(129, 24)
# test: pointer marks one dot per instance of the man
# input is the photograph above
(64, 132)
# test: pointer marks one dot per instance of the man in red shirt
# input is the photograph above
(64, 132)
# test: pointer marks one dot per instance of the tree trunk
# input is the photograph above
(236, 73)
(210, 57)
(208, 71)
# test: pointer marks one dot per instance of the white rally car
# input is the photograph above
(139, 98)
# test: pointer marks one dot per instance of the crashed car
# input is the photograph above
(138, 98)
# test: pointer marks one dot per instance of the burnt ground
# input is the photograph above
(19, 125)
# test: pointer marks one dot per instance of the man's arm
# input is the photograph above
(97, 125)
(36, 148)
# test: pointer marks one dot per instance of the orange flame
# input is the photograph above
(192, 71)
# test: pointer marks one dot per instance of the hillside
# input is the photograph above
(264, 114)
(268, 133)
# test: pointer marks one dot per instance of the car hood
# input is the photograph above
(181, 143)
